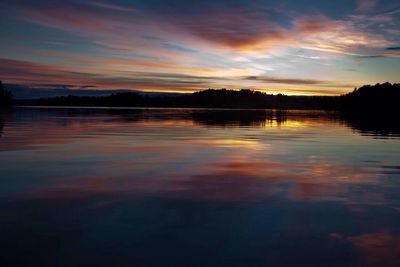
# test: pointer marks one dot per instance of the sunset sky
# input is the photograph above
(291, 47)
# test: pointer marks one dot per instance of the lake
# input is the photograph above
(197, 187)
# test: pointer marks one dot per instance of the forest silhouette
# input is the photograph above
(369, 98)
(5, 96)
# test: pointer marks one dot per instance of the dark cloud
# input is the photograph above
(235, 27)
(395, 48)
(25, 72)
(283, 80)
(383, 55)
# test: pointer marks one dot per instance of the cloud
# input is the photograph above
(394, 48)
(366, 5)
(235, 27)
(337, 36)
(208, 25)
(46, 76)
(178, 45)
(381, 56)
(300, 81)
(23, 72)
(77, 16)
(315, 24)
(283, 80)
(239, 27)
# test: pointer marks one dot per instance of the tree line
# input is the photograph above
(368, 98)
(5, 96)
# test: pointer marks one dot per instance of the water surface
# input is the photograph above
(182, 187)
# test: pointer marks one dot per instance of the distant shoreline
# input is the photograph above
(164, 108)
(370, 98)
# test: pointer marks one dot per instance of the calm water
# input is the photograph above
(113, 187)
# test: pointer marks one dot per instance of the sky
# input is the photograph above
(294, 47)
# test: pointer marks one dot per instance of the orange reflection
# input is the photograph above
(377, 249)
(148, 152)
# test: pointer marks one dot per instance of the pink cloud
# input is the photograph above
(237, 28)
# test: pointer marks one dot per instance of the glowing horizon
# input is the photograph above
(297, 47)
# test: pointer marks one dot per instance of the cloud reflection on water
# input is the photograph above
(264, 184)
(220, 155)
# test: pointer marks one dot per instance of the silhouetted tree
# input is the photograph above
(373, 98)
(379, 98)
(1, 124)
(5, 96)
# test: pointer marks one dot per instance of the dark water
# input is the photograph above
(112, 187)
